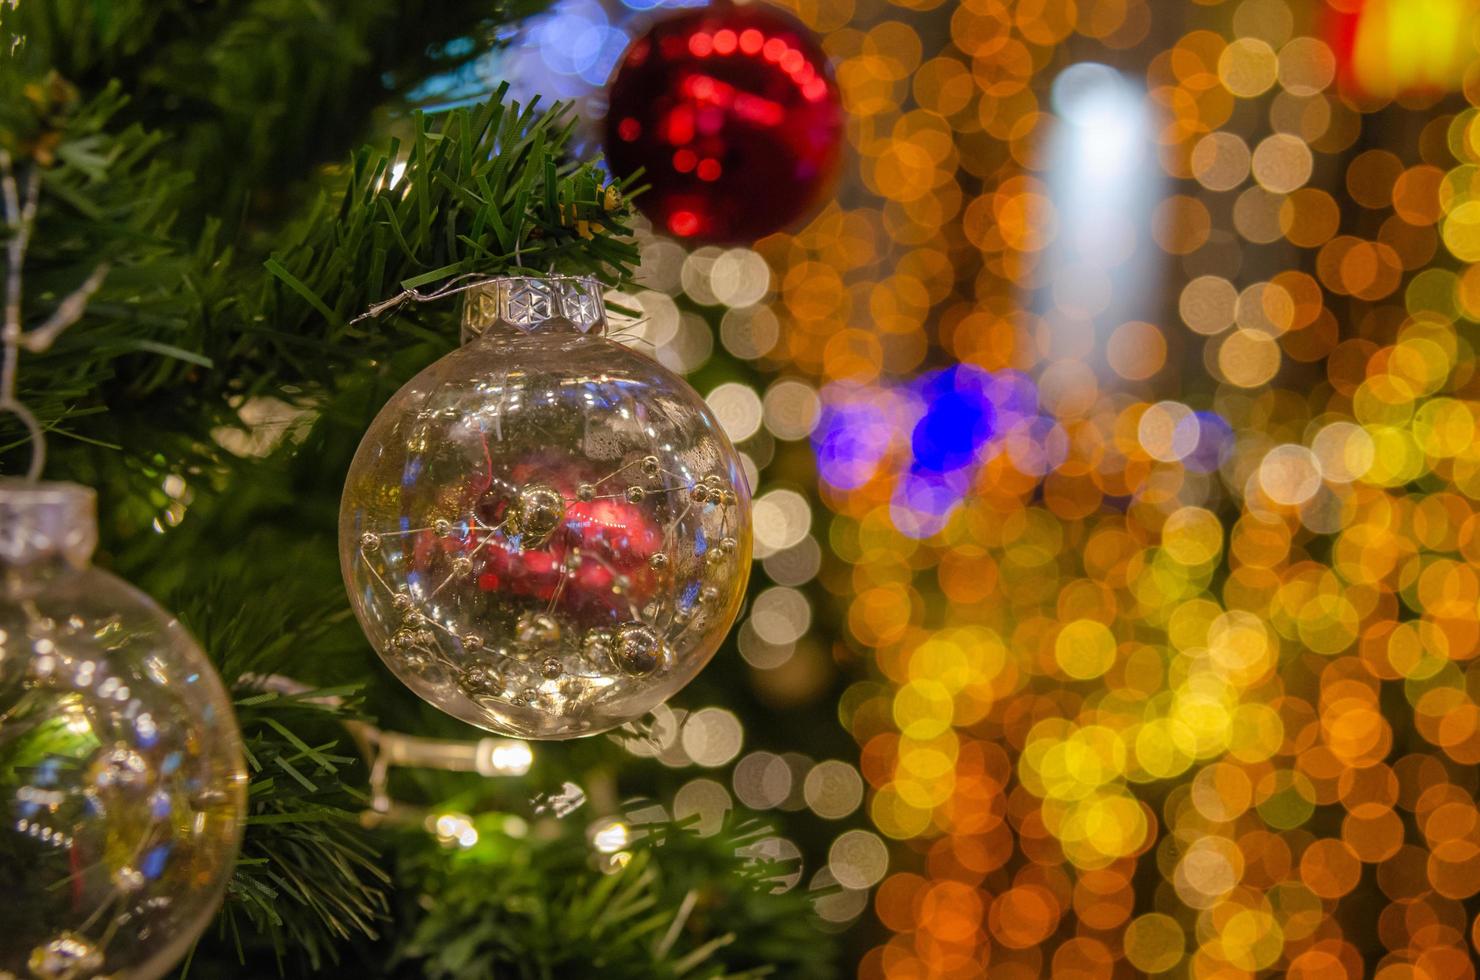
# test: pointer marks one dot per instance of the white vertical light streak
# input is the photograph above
(1104, 181)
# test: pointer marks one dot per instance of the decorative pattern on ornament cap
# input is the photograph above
(47, 522)
(530, 303)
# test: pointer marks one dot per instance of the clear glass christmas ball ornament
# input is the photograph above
(545, 533)
(122, 787)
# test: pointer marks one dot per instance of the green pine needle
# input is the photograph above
(309, 876)
(683, 907)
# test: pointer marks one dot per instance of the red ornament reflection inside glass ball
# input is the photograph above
(734, 117)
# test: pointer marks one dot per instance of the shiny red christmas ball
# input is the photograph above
(733, 115)
(591, 559)
(617, 543)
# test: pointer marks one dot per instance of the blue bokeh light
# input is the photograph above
(855, 431)
(958, 420)
(1214, 441)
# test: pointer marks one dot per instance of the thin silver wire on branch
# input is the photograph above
(20, 217)
(457, 284)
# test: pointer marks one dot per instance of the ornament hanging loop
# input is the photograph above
(37, 434)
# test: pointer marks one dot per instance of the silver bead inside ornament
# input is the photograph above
(481, 679)
(535, 514)
(70, 956)
(538, 629)
(638, 649)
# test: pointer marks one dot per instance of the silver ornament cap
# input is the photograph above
(526, 304)
(46, 526)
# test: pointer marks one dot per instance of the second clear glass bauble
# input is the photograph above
(122, 785)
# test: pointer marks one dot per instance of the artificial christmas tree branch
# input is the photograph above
(382, 750)
(201, 153)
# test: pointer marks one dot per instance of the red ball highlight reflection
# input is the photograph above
(734, 117)
(616, 541)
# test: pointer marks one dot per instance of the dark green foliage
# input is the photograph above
(309, 876)
(254, 92)
(684, 906)
(203, 305)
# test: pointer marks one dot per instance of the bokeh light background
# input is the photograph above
(1114, 429)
